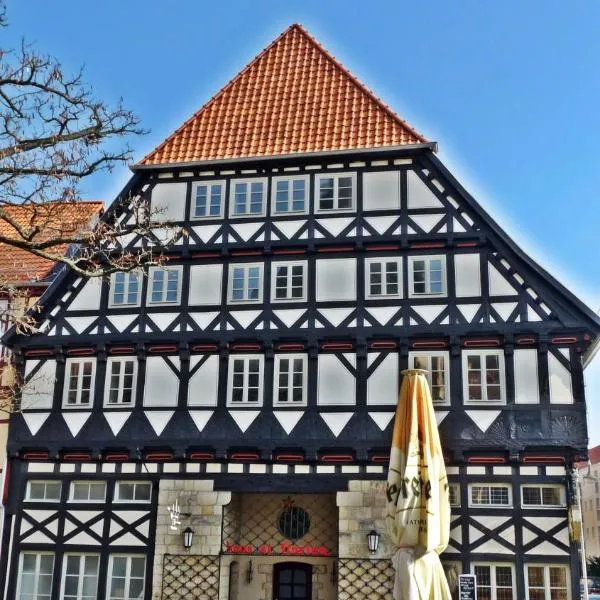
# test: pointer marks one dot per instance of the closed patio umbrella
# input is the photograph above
(418, 507)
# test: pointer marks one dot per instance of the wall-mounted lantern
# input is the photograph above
(188, 537)
(373, 541)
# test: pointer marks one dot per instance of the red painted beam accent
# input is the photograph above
(159, 456)
(382, 247)
(121, 350)
(486, 460)
(36, 455)
(290, 251)
(467, 244)
(116, 457)
(201, 455)
(244, 456)
(206, 255)
(289, 457)
(336, 249)
(246, 253)
(77, 456)
(418, 245)
(81, 352)
(336, 458)
(564, 340)
(204, 348)
(535, 458)
(290, 346)
(383, 345)
(480, 343)
(526, 340)
(158, 348)
(380, 458)
(255, 347)
(430, 344)
(39, 353)
(337, 346)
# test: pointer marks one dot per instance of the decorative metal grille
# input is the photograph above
(294, 522)
(363, 579)
(190, 577)
(255, 520)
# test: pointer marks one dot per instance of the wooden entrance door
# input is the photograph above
(292, 581)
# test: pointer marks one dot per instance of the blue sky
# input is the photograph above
(510, 91)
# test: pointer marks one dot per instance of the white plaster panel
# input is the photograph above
(381, 190)
(499, 285)
(39, 388)
(88, 298)
(203, 384)
(162, 385)
(419, 195)
(561, 391)
(336, 279)
(336, 385)
(526, 377)
(382, 385)
(168, 202)
(205, 284)
(467, 274)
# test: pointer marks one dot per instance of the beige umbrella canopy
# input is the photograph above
(418, 508)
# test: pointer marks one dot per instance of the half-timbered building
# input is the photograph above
(245, 391)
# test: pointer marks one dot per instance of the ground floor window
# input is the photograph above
(35, 576)
(547, 582)
(126, 577)
(494, 581)
(80, 577)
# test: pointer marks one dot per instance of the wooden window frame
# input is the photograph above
(541, 486)
(429, 355)
(80, 575)
(276, 372)
(493, 583)
(135, 483)
(248, 181)
(167, 269)
(193, 206)
(336, 177)
(290, 179)
(547, 588)
(120, 390)
(261, 284)
(87, 482)
(261, 376)
(67, 380)
(38, 554)
(508, 486)
(128, 277)
(127, 588)
(411, 276)
(289, 265)
(45, 482)
(382, 261)
(465, 374)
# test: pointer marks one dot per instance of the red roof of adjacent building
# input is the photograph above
(594, 454)
(294, 97)
(53, 220)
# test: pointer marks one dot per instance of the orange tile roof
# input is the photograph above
(293, 97)
(53, 219)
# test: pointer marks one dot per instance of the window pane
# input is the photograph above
(142, 491)
(125, 491)
(532, 496)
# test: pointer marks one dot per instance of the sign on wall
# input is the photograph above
(467, 587)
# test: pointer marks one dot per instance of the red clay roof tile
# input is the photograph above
(293, 97)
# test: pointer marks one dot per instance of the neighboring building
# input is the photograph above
(589, 479)
(253, 380)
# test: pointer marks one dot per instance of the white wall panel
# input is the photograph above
(381, 190)
(336, 279)
(467, 275)
(161, 387)
(419, 195)
(89, 296)
(168, 200)
(39, 388)
(499, 285)
(336, 385)
(526, 377)
(382, 385)
(205, 284)
(561, 391)
(203, 384)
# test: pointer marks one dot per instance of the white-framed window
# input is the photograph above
(43, 491)
(125, 289)
(289, 379)
(426, 276)
(437, 365)
(133, 491)
(121, 376)
(288, 281)
(289, 195)
(246, 283)
(335, 192)
(490, 494)
(126, 575)
(494, 581)
(245, 380)
(80, 375)
(454, 494)
(544, 496)
(164, 285)
(247, 197)
(80, 577)
(87, 491)
(483, 376)
(207, 199)
(547, 582)
(383, 278)
(35, 576)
